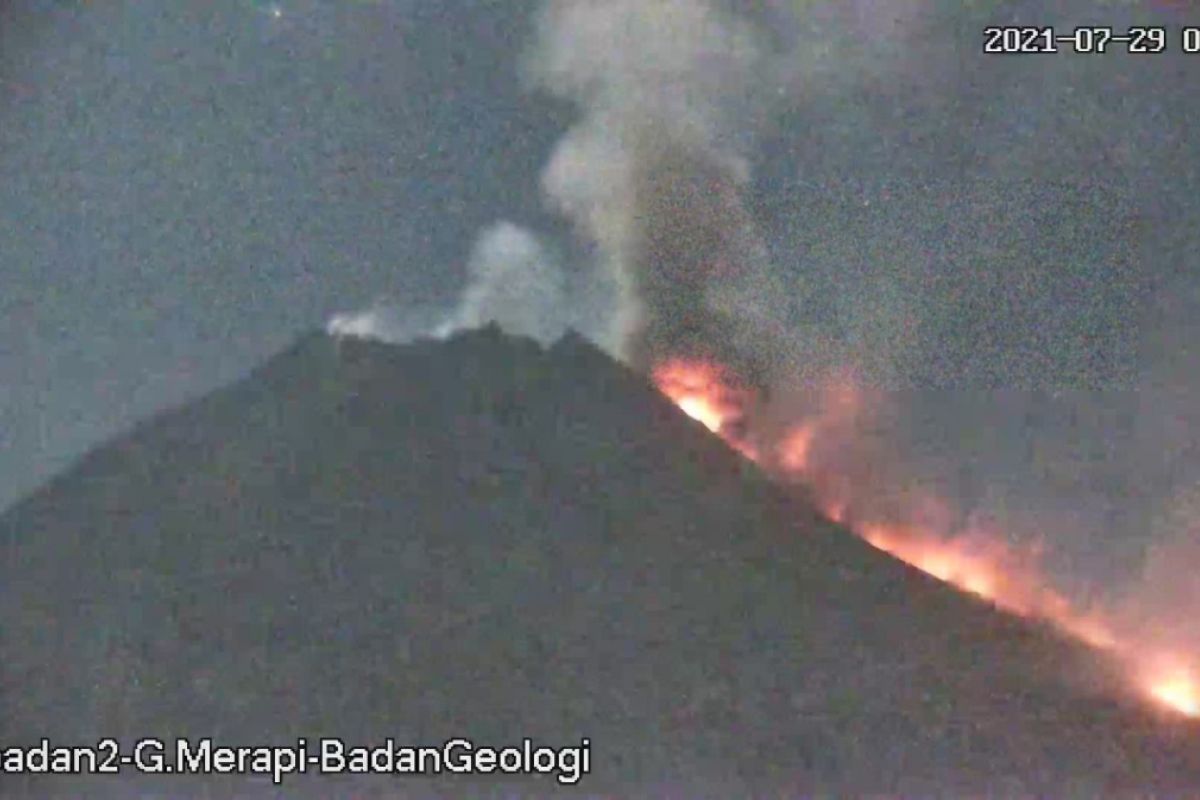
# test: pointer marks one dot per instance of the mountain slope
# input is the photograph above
(483, 538)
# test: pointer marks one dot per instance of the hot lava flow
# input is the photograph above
(973, 557)
(702, 391)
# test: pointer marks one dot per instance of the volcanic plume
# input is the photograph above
(654, 174)
(653, 171)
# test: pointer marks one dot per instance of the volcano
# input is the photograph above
(483, 538)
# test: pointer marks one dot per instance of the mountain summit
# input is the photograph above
(487, 539)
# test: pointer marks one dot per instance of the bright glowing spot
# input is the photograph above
(1179, 691)
(703, 411)
(701, 391)
(980, 584)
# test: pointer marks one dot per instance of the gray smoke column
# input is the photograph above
(653, 172)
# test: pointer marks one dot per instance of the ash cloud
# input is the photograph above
(673, 98)
(655, 169)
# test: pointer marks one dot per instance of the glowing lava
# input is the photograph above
(975, 560)
(703, 411)
(1177, 688)
(796, 448)
(702, 391)
(947, 561)
(1180, 693)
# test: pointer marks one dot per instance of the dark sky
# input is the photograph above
(188, 186)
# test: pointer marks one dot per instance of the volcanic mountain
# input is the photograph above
(484, 538)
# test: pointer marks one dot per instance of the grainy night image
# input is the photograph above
(599, 398)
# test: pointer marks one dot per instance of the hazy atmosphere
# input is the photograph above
(1005, 245)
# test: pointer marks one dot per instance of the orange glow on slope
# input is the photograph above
(703, 411)
(702, 391)
(1168, 679)
(796, 448)
(1179, 691)
(977, 560)
(947, 561)
(982, 564)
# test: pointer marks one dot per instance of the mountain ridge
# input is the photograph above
(484, 536)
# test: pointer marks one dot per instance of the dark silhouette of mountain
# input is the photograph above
(483, 538)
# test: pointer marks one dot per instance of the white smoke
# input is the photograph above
(513, 282)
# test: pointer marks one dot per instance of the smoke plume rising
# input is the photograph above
(514, 284)
(652, 175)
(654, 170)
(513, 281)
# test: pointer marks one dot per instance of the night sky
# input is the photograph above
(186, 187)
